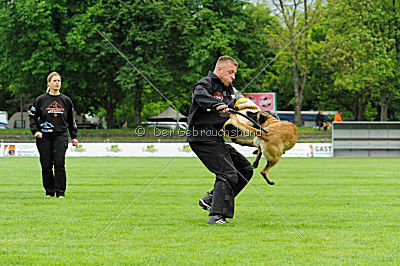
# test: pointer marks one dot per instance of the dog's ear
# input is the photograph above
(262, 117)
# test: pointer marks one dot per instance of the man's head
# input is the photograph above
(225, 69)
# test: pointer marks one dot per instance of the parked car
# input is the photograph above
(169, 125)
(3, 120)
(3, 125)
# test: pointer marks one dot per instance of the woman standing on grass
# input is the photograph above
(50, 116)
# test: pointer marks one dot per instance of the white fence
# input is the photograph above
(366, 139)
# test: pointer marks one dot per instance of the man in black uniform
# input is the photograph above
(207, 116)
(50, 117)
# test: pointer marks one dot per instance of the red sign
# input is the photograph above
(266, 101)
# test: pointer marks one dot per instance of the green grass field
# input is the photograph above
(347, 209)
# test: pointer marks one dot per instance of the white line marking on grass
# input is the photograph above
(137, 196)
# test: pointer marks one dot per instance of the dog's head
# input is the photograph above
(262, 117)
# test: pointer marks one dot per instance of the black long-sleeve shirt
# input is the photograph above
(205, 123)
(53, 114)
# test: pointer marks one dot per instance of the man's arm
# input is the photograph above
(204, 99)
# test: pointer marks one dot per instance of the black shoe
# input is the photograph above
(205, 202)
(217, 219)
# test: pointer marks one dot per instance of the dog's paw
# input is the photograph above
(254, 166)
(271, 182)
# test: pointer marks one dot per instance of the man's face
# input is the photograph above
(226, 73)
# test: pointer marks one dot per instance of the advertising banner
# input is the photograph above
(310, 150)
(18, 150)
(266, 101)
(153, 150)
(131, 150)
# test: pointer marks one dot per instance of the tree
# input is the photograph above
(297, 17)
(361, 57)
(234, 28)
(33, 44)
(147, 33)
(30, 45)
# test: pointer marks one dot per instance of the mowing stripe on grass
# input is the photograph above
(152, 181)
(266, 200)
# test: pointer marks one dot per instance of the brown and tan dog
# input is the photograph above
(326, 125)
(282, 136)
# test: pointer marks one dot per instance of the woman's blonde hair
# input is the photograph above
(50, 76)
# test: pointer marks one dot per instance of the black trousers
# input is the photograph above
(52, 148)
(225, 162)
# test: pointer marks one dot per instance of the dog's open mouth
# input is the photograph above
(252, 115)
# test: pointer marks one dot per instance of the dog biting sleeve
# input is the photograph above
(246, 103)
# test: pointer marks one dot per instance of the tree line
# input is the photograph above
(339, 54)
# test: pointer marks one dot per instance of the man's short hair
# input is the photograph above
(222, 60)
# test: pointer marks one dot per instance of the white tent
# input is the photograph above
(169, 118)
(168, 115)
